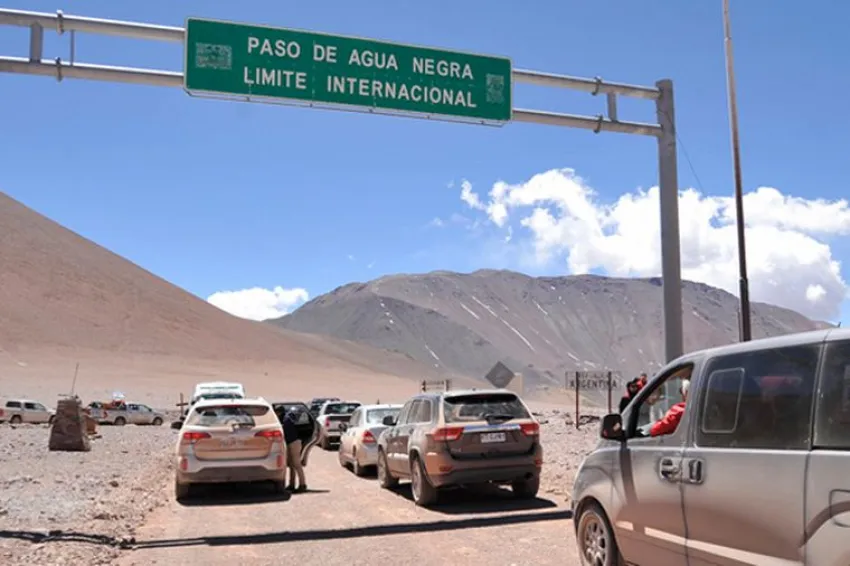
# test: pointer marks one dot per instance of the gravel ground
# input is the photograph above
(564, 448)
(78, 506)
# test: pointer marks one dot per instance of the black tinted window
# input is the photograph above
(341, 408)
(832, 419)
(759, 399)
(14, 404)
(477, 407)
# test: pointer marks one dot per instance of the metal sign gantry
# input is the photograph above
(662, 94)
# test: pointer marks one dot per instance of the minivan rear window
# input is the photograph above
(215, 416)
(478, 406)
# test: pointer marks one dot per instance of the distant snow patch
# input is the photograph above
(518, 333)
(433, 355)
(491, 311)
(573, 356)
(469, 310)
(541, 309)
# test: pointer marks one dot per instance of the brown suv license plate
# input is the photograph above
(492, 437)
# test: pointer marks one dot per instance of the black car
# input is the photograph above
(308, 426)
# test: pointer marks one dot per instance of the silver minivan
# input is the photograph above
(751, 465)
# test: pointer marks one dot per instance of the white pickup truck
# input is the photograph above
(130, 413)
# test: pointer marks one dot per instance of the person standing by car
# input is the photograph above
(293, 456)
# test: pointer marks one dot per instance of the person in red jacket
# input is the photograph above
(670, 421)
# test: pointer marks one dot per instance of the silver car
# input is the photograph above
(229, 440)
(748, 464)
(358, 445)
(330, 416)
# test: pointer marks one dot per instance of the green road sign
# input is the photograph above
(225, 58)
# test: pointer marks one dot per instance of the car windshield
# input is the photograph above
(481, 406)
(376, 416)
(225, 415)
(341, 408)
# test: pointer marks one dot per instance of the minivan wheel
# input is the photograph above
(596, 543)
(424, 494)
(120, 421)
(385, 477)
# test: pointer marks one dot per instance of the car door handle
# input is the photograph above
(668, 470)
(695, 470)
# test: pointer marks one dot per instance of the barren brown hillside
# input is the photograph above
(62, 295)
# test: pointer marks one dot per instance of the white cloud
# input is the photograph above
(437, 222)
(351, 257)
(788, 255)
(258, 303)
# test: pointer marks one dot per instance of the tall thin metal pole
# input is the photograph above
(743, 282)
(668, 188)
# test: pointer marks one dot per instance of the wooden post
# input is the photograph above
(578, 389)
(610, 387)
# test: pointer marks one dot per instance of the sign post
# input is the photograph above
(286, 65)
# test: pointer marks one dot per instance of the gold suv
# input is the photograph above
(457, 438)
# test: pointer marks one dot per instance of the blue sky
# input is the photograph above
(224, 196)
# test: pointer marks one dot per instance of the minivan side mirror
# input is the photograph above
(177, 425)
(612, 427)
(389, 420)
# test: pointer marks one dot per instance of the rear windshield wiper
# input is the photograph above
(498, 417)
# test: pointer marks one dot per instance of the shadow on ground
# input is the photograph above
(215, 495)
(478, 500)
(358, 532)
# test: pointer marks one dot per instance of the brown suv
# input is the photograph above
(454, 438)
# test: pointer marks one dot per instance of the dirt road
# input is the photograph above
(348, 520)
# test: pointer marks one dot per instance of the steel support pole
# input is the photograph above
(744, 328)
(668, 189)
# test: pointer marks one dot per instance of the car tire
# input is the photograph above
(385, 477)
(325, 443)
(526, 489)
(157, 422)
(595, 538)
(424, 494)
(356, 467)
(120, 421)
(182, 491)
(50, 419)
(16, 419)
(279, 487)
(340, 456)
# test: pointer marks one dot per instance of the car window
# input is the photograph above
(657, 397)
(39, 407)
(13, 404)
(226, 415)
(422, 413)
(832, 413)
(759, 400)
(355, 418)
(407, 410)
(30, 406)
(477, 407)
(341, 408)
(377, 416)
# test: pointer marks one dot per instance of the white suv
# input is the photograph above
(17, 411)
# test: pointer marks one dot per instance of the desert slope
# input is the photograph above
(63, 296)
(540, 326)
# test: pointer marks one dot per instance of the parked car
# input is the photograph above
(217, 390)
(330, 416)
(120, 414)
(17, 411)
(229, 440)
(308, 427)
(358, 445)
(317, 402)
(754, 471)
(452, 438)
